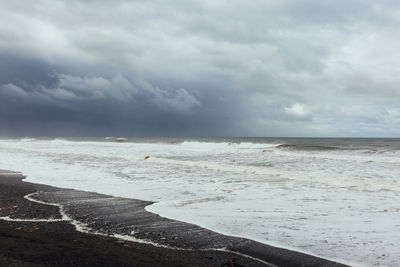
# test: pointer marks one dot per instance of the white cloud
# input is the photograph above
(297, 110)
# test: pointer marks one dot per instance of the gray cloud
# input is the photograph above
(265, 68)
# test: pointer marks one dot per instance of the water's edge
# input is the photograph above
(127, 219)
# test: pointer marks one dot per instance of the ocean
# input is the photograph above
(334, 198)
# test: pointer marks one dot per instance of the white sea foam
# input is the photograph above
(84, 228)
(27, 139)
(338, 204)
(9, 219)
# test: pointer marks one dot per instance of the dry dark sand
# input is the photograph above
(60, 244)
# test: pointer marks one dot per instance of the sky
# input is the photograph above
(270, 68)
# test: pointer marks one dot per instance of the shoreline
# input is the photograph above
(131, 227)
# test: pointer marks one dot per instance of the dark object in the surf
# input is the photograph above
(146, 157)
(232, 263)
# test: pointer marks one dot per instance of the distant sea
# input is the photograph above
(335, 198)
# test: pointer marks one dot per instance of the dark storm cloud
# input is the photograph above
(105, 106)
(17, 70)
(327, 68)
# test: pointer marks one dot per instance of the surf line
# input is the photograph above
(83, 228)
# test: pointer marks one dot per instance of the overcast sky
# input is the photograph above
(200, 68)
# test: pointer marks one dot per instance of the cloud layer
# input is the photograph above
(215, 68)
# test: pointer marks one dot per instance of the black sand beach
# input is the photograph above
(58, 243)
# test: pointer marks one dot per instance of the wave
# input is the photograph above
(355, 152)
(273, 174)
(218, 178)
(309, 147)
(60, 140)
(233, 145)
(28, 139)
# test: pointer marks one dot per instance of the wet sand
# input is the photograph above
(33, 233)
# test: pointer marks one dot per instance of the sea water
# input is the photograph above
(335, 198)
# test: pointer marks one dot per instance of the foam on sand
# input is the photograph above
(84, 228)
(338, 203)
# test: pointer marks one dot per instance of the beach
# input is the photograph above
(195, 133)
(92, 230)
(330, 198)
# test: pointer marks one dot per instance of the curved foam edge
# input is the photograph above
(269, 243)
(83, 228)
(9, 219)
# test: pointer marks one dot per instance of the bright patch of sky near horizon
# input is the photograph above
(215, 68)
